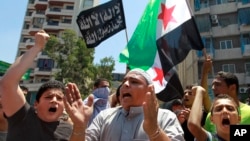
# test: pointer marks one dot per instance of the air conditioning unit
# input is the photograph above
(214, 19)
(243, 89)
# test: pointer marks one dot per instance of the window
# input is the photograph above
(25, 39)
(22, 52)
(228, 68)
(226, 44)
(88, 3)
(247, 68)
(246, 38)
(26, 26)
(38, 22)
(69, 7)
(45, 64)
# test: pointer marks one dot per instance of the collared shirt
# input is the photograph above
(116, 124)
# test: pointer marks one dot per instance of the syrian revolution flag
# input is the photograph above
(163, 37)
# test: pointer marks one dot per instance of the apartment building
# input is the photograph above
(54, 16)
(224, 26)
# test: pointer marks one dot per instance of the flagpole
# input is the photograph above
(126, 33)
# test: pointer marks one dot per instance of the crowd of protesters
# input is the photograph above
(132, 113)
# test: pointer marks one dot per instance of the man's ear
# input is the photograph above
(232, 87)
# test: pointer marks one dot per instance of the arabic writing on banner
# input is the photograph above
(101, 22)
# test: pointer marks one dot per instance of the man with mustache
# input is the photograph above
(139, 117)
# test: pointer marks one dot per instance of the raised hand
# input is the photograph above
(77, 110)
(150, 108)
(41, 39)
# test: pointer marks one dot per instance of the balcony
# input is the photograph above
(52, 12)
(203, 10)
(246, 52)
(38, 14)
(27, 18)
(21, 45)
(60, 2)
(227, 54)
(56, 25)
(31, 6)
(33, 30)
(247, 76)
(244, 28)
(219, 31)
(38, 71)
(223, 8)
(40, 4)
(25, 32)
(240, 5)
(29, 43)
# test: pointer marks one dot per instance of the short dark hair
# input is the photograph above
(98, 81)
(177, 102)
(223, 96)
(52, 84)
(189, 87)
(229, 79)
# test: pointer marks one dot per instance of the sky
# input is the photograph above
(12, 14)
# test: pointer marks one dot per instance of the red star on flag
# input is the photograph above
(166, 15)
(159, 75)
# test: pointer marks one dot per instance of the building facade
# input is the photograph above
(53, 16)
(224, 26)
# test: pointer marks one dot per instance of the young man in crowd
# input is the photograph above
(227, 83)
(25, 122)
(224, 112)
(101, 94)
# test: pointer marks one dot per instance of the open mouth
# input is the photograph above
(126, 95)
(52, 109)
(226, 122)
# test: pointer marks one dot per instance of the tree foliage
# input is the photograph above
(105, 68)
(74, 60)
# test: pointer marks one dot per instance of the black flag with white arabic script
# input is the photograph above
(101, 22)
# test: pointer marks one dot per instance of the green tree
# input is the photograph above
(105, 68)
(74, 60)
